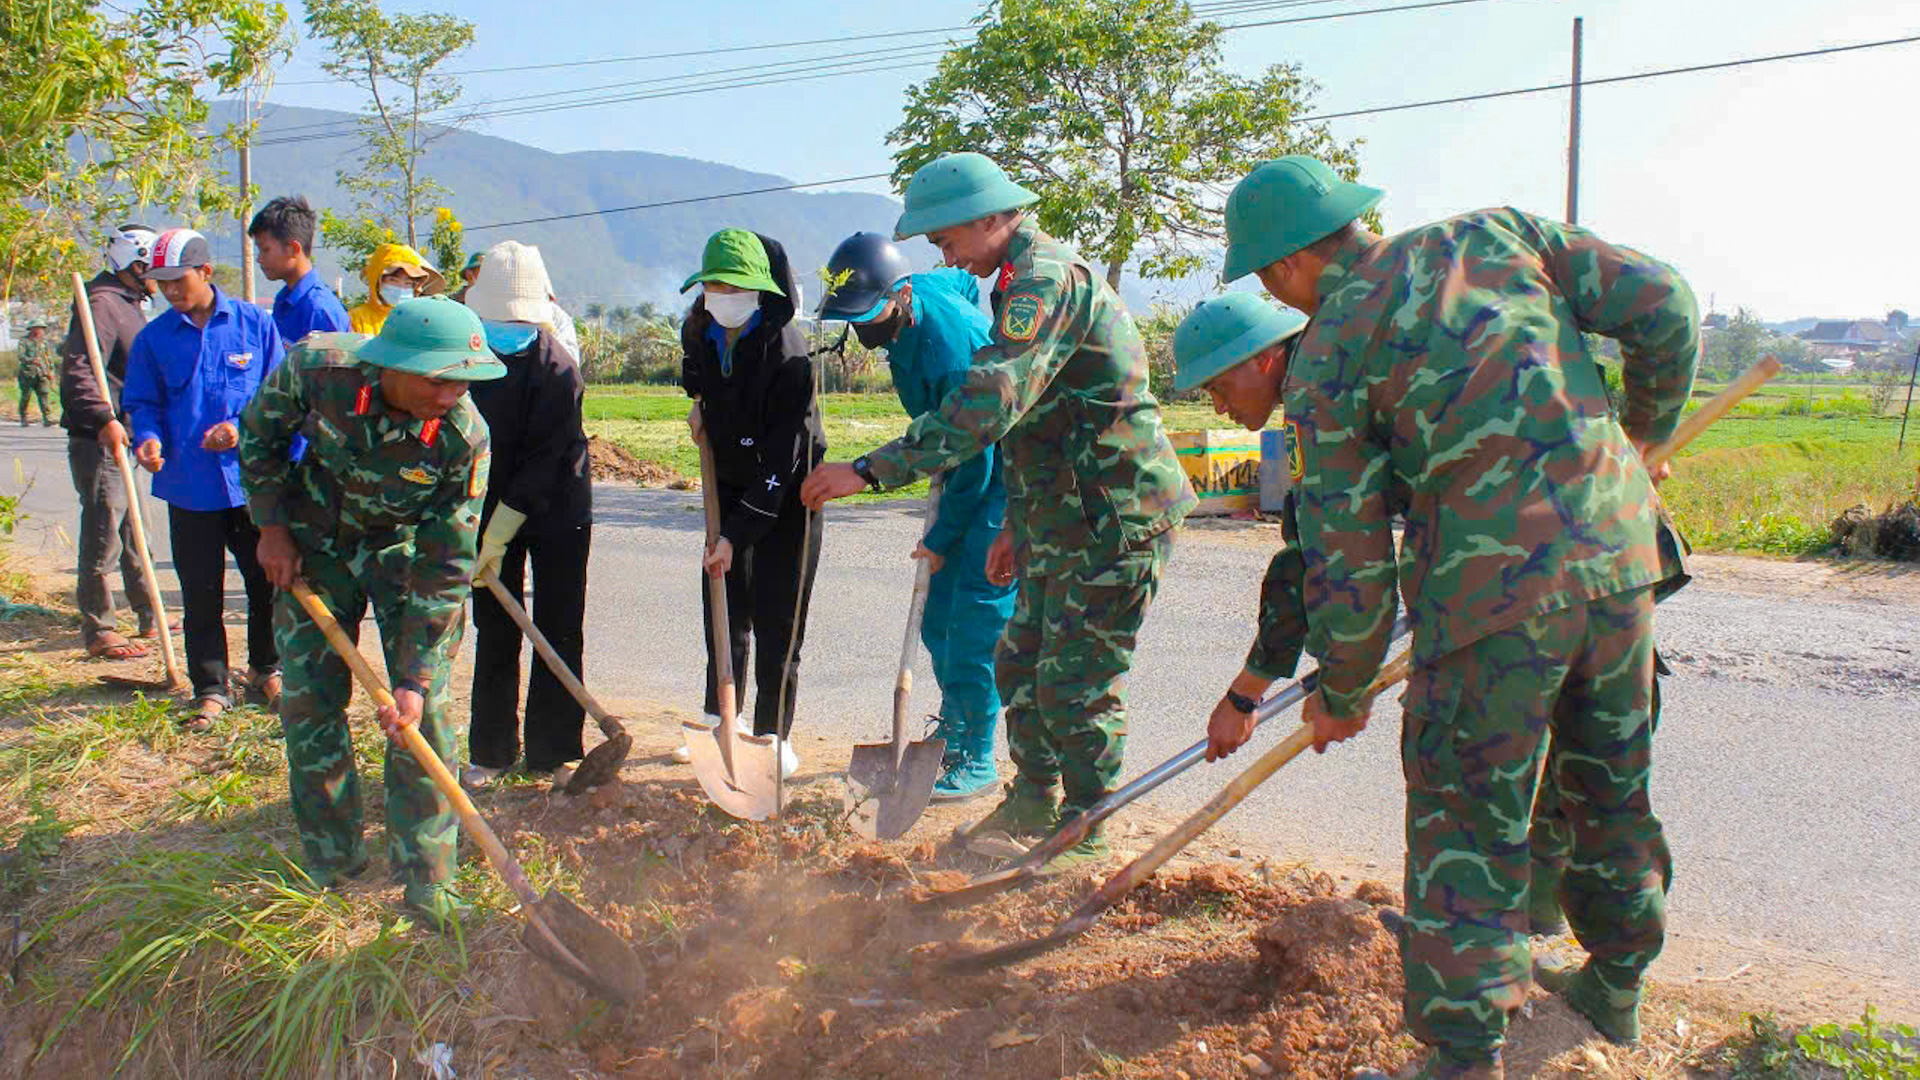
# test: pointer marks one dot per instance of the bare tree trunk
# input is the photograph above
(1113, 276)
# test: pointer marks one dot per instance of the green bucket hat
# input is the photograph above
(1282, 206)
(735, 257)
(1226, 332)
(954, 189)
(436, 337)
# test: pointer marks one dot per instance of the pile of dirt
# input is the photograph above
(1892, 534)
(611, 461)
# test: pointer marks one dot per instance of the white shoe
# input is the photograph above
(561, 775)
(682, 755)
(475, 777)
(789, 761)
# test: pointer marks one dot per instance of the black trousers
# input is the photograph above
(106, 538)
(554, 718)
(201, 541)
(765, 581)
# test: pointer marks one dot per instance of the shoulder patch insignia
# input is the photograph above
(1296, 453)
(414, 474)
(1020, 317)
(477, 479)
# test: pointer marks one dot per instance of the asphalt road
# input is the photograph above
(1787, 767)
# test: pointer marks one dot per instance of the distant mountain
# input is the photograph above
(611, 259)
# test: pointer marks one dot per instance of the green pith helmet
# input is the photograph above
(1226, 332)
(1282, 206)
(735, 257)
(435, 337)
(954, 189)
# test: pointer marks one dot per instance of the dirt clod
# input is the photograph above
(611, 461)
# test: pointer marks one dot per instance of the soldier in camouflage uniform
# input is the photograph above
(1444, 374)
(382, 509)
(1094, 491)
(36, 372)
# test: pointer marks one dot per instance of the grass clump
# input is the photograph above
(1778, 490)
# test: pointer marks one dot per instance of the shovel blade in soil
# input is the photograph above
(749, 790)
(883, 801)
(612, 969)
(602, 764)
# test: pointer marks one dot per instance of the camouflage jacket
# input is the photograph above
(36, 361)
(399, 496)
(1445, 375)
(1062, 388)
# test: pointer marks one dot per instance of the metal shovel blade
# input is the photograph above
(608, 965)
(602, 763)
(883, 801)
(748, 789)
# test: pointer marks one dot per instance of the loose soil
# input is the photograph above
(794, 948)
(611, 461)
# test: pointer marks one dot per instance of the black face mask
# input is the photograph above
(880, 331)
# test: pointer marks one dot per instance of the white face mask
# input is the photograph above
(392, 294)
(732, 310)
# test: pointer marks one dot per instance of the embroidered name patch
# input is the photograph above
(414, 474)
(1020, 317)
(241, 360)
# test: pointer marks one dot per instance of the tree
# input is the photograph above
(1119, 115)
(102, 118)
(1734, 349)
(1897, 321)
(394, 59)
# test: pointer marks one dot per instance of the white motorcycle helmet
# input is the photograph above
(128, 245)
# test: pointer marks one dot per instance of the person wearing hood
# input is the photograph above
(931, 326)
(539, 508)
(394, 272)
(745, 364)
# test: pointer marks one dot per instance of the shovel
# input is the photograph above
(602, 763)
(1241, 786)
(739, 771)
(888, 784)
(569, 939)
(1029, 867)
(176, 681)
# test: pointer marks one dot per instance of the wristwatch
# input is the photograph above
(1242, 702)
(865, 468)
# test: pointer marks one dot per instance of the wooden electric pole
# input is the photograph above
(1911, 375)
(1573, 135)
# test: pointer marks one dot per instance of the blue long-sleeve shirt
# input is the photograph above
(182, 380)
(308, 306)
(929, 359)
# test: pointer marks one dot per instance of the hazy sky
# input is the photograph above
(1788, 188)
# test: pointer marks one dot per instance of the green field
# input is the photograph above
(1760, 480)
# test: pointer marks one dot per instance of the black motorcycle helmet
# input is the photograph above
(874, 266)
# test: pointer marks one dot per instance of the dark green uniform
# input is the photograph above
(385, 509)
(35, 376)
(1094, 492)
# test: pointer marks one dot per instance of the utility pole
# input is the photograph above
(246, 197)
(1573, 135)
(1903, 413)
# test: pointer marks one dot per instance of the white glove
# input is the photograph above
(501, 529)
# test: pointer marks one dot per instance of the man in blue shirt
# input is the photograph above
(189, 374)
(930, 326)
(283, 239)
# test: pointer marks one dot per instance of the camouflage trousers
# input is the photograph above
(422, 830)
(1475, 730)
(1061, 667)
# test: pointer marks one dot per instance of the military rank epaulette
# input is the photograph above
(335, 349)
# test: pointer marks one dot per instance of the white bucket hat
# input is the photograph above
(513, 285)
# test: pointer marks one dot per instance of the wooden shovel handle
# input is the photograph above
(1715, 408)
(84, 312)
(910, 641)
(545, 648)
(717, 599)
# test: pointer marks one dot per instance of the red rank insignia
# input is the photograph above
(362, 400)
(429, 431)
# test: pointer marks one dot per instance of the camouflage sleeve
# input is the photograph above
(444, 544)
(267, 427)
(1346, 540)
(1283, 612)
(1040, 327)
(1640, 302)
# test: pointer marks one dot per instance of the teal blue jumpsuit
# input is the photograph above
(965, 612)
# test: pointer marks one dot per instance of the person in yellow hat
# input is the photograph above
(394, 272)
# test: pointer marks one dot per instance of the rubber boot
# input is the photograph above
(1438, 1066)
(1544, 917)
(1028, 812)
(968, 768)
(1615, 1014)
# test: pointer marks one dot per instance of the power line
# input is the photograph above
(1689, 69)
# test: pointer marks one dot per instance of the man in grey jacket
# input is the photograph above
(93, 419)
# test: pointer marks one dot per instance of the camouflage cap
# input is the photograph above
(1285, 204)
(435, 337)
(1227, 331)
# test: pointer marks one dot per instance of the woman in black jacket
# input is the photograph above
(746, 365)
(539, 505)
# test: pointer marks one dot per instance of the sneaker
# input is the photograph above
(1437, 1067)
(560, 777)
(1615, 1014)
(437, 906)
(477, 777)
(789, 760)
(1088, 853)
